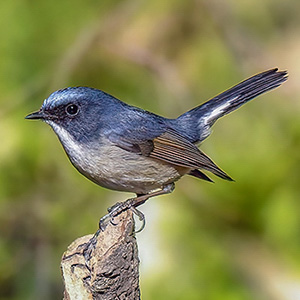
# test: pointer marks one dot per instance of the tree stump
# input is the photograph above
(104, 265)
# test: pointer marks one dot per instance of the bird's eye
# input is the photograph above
(72, 110)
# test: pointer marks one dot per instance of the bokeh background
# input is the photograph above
(224, 240)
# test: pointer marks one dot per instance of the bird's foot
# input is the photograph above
(132, 204)
(118, 208)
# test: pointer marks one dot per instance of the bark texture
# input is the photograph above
(104, 265)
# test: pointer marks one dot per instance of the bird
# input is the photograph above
(125, 148)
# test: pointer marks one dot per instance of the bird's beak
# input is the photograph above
(38, 115)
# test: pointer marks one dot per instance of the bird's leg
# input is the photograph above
(133, 203)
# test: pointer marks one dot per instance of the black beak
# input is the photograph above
(38, 115)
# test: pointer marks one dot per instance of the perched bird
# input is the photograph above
(126, 148)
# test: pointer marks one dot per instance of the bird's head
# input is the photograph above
(79, 111)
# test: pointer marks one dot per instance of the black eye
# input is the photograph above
(72, 109)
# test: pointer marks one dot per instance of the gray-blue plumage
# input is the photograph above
(126, 148)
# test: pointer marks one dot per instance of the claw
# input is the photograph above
(141, 217)
(103, 222)
(90, 245)
(112, 221)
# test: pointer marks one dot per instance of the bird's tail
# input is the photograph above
(202, 117)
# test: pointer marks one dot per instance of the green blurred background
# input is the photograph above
(224, 240)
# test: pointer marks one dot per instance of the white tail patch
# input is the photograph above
(217, 112)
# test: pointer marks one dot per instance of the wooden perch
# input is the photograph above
(104, 265)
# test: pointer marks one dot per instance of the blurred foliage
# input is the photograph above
(205, 241)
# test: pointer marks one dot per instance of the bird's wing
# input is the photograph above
(176, 149)
(172, 148)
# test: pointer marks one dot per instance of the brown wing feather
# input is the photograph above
(175, 149)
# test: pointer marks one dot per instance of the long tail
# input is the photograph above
(202, 117)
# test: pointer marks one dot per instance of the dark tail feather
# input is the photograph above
(207, 164)
(204, 116)
(218, 172)
(200, 175)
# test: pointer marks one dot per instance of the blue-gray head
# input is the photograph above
(81, 111)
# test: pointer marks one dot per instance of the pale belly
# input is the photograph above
(114, 168)
(121, 170)
(118, 169)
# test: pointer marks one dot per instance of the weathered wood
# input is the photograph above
(104, 265)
